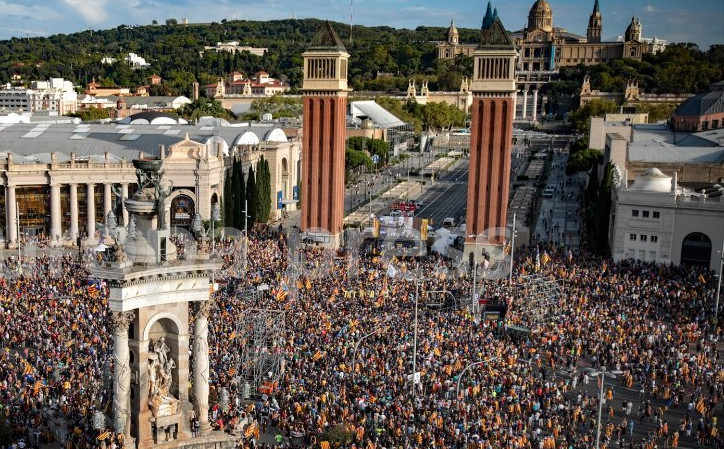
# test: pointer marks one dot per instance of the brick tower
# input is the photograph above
(325, 111)
(493, 88)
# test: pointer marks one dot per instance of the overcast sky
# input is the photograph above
(698, 21)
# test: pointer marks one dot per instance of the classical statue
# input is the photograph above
(117, 206)
(161, 195)
(160, 366)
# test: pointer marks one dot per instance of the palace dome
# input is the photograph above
(540, 16)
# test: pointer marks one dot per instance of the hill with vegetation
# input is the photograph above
(382, 59)
(174, 52)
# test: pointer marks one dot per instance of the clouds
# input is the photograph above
(93, 11)
(666, 19)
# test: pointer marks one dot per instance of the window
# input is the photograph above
(635, 213)
(656, 214)
(645, 214)
(705, 125)
(714, 124)
(654, 238)
(643, 237)
(632, 237)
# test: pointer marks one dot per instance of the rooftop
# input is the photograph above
(92, 141)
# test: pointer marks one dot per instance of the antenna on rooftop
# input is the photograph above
(351, 11)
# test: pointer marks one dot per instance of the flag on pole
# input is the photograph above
(94, 287)
(537, 259)
(545, 258)
(391, 270)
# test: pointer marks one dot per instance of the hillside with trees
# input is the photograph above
(382, 59)
(173, 51)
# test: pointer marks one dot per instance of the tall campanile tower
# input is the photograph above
(493, 88)
(325, 111)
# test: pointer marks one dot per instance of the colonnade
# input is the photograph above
(534, 114)
(57, 226)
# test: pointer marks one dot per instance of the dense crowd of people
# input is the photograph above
(349, 340)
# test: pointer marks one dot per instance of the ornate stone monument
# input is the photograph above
(150, 294)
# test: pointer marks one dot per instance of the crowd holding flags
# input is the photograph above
(94, 287)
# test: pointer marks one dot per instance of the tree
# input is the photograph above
(583, 160)
(598, 208)
(251, 197)
(229, 196)
(204, 107)
(263, 190)
(90, 115)
(580, 118)
(440, 116)
(277, 105)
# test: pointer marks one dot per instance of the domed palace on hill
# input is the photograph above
(543, 47)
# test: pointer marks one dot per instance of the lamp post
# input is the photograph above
(460, 377)
(414, 339)
(20, 254)
(359, 342)
(215, 216)
(718, 288)
(603, 375)
(512, 253)
(246, 234)
(473, 298)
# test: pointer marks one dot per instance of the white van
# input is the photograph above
(449, 222)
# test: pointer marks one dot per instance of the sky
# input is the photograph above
(698, 21)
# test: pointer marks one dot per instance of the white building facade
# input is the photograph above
(59, 181)
(56, 96)
(656, 220)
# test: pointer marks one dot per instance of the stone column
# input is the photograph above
(107, 199)
(91, 210)
(525, 104)
(56, 231)
(11, 224)
(535, 104)
(124, 195)
(201, 364)
(121, 374)
(515, 104)
(73, 211)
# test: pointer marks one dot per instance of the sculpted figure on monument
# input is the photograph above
(160, 366)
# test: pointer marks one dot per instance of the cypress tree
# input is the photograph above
(269, 199)
(263, 190)
(251, 195)
(229, 196)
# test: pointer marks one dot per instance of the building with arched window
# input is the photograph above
(656, 220)
(544, 47)
(60, 180)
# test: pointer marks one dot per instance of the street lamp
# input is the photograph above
(474, 263)
(198, 225)
(460, 377)
(603, 375)
(20, 249)
(718, 287)
(359, 342)
(215, 216)
(512, 253)
(414, 340)
(246, 234)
